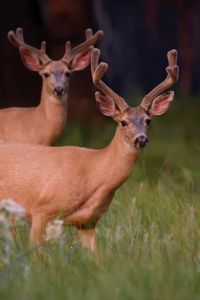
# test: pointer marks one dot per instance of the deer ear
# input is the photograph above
(81, 60)
(30, 60)
(105, 105)
(161, 104)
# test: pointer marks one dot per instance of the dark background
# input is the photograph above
(138, 35)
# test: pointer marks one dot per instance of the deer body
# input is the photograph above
(44, 124)
(57, 180)
(49, 182)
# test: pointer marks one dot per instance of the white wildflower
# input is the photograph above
(54, 231)
(12, 208)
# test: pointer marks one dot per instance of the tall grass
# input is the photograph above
(149, 240)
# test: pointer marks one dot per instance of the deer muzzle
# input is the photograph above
(141, 141)
(59, 91)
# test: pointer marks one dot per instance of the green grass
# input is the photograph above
(149, 240)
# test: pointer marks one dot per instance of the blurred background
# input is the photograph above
(138, 35)
(149, 241)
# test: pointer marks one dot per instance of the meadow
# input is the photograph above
(148, 241)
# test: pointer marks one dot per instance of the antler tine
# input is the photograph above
(43, 47)
(17, 39)
(88, 33)
(173, 69)
(172, 77)
(97, 73)
(68, 49)
(95, 60)
(90, 41)
(19, 35)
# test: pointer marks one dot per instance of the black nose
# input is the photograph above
(141, 141)
(59, 91)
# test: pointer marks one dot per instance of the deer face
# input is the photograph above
(56, 74)
(134, 121)
(134, 124)
(56, 78)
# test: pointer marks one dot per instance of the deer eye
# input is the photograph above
(124, 123)
(67, 74)
(46, 75)
(148, 121)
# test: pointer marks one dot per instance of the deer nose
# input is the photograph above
(58, 91)
(141, 141)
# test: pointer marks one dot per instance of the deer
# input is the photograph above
(77, 183)
(44, 123)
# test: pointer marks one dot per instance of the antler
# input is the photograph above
(90, 41)
(171, 79)
(97, 73)
(17, 39)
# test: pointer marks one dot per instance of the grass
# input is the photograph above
(149, 240)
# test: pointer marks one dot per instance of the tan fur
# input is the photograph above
(75, 183)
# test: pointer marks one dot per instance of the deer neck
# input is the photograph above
(51, 106)
(121, 157)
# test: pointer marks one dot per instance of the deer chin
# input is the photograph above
(60, 99)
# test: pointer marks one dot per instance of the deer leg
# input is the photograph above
(38, 227)
(88, 238)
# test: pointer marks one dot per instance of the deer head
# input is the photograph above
(55, 74)
(134, 121)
